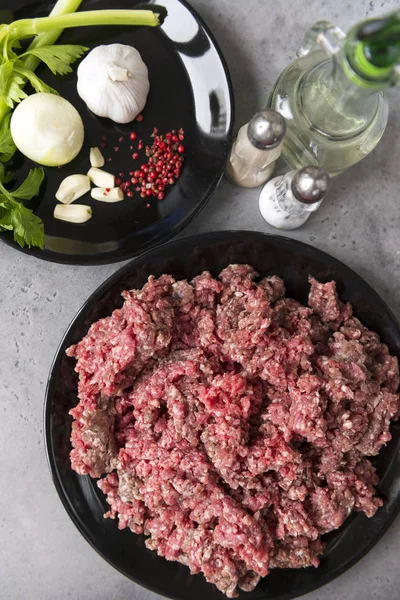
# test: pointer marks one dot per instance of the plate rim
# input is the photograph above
(69, 259)
(99, 291)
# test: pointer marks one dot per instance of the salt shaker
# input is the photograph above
(256, 149)
(287, 201)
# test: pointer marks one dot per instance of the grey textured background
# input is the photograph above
(42, 556)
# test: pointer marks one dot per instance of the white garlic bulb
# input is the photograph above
(113, 81)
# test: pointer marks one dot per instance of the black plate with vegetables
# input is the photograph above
(166, 162)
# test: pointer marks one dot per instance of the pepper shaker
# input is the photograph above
(287, 201)
(256, 149)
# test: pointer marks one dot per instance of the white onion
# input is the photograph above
(47, 129)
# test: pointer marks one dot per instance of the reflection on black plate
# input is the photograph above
(189, 88)
(293, 261)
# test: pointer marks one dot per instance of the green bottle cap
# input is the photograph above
(364, 65)
(373, 49)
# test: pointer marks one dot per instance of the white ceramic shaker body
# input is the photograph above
(287, 201)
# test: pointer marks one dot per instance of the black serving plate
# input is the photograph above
(185, 258)
(189, 87)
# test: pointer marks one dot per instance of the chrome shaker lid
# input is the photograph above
(309, 184)
(266, 129)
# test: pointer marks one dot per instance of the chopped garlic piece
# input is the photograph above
(96, 158)
(101, 178)
(73, 213)
(107, 194)
(72, 188)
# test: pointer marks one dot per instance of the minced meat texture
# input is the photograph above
(230, 424)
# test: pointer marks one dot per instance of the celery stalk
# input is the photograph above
(28, 27)
(62, 7)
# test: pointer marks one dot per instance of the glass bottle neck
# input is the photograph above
(333, 103)
(345, 86)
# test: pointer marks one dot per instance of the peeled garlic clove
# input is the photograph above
(73, 213)
(96, 158)
(107, 194)
(101, 178)
(72, 188)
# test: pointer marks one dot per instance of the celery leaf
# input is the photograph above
(31, 186)
(15, 92)
(59, 57)
(7, 146)
(38, 84)
(27, 227)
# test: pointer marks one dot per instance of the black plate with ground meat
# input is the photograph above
(293, 262)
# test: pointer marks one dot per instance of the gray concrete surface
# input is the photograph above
(42, 556)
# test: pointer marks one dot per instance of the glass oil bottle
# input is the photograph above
(333, 95)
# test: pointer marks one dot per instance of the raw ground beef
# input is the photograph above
(230, 424)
